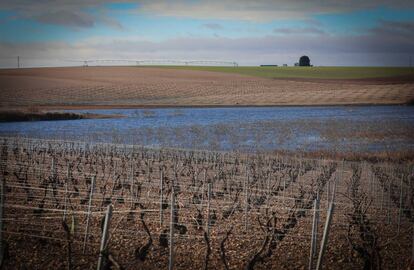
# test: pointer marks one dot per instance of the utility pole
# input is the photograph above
(18, 61)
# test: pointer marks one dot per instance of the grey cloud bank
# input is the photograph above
(260, 10)
(64, 12)
(377, 47)
(390, 42)
(304, 30)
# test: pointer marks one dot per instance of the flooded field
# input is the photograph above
(330, 128)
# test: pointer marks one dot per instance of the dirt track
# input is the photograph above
(134, 86)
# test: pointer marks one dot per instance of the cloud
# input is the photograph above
(400, 28)
(372, 48)
(213, 26)
(110, 22)
(263, 10)
(64, 12)
(258, 11)
(67, 18)
(304, 30)
(313, 22)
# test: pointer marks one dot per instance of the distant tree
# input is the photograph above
(304, 61)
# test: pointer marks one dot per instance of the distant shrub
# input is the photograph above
(18, 116)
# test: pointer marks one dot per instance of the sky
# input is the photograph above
(331, 33)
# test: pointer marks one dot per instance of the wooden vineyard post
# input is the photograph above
(208, 210)
(66, 191)
(401, 201)
(371, 180)
(53, 168)
(171, 255)
(161, 197)
(412, 252)
(2, 179)
(284, 189)
(389, 204)
(382, 196)
(84, 150)
(284, 179)
(202, 189)
(132, 182)
(246, 202)
(88, 214)
(299, 170)
(104, 235)
(328, 189)
(148, 170)
(334, 191)
(314, 231)
(325, 235)
(318, 199)
(268, 185)
(412, 246)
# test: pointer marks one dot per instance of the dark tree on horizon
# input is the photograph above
(304, 61)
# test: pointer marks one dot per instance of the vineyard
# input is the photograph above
(76, 205)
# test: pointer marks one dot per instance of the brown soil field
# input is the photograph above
(81, 87)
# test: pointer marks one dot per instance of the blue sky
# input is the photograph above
(251, 33)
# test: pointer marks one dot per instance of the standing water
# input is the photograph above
(343, 128)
